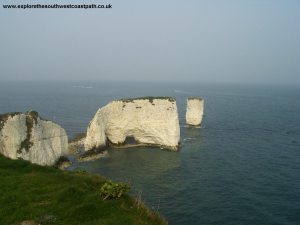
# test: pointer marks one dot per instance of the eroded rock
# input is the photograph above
(194, 111)
(150, 120)
(32, 138)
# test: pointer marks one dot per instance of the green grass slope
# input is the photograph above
(48, 195)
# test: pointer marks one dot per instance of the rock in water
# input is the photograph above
(194, 111)
(150, 121)
(32, 138)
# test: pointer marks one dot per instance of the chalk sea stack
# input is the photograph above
(32, 138)
(194, 111)
(150, 121)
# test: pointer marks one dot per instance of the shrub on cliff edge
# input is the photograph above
(113, 190)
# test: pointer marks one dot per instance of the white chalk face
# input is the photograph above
(149, 121)
(194, 111)
(40, 141)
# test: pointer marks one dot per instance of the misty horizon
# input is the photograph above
(255, 42)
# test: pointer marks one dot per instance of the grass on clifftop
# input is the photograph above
(47, 195)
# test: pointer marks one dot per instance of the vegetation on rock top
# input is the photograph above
(195, 98)
(33, 115)
(150, 98)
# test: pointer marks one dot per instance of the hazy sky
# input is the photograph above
(207, 41)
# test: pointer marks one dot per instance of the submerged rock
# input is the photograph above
(32, 138)
(194, 111)
(92, 154)
(150, 120)
(76, 145)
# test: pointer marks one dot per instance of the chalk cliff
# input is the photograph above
(32, 138)
(194, 111)
(149, 121)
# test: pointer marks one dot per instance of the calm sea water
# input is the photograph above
(241, 167)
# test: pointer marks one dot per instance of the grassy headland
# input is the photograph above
(46, 195)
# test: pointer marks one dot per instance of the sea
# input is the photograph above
(241, 167)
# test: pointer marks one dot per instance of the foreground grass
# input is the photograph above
(50, 196)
